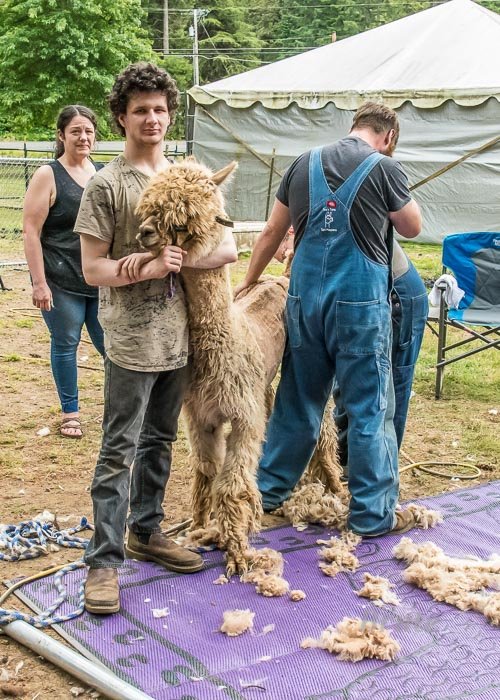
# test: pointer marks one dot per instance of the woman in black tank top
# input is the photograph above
(53, 254)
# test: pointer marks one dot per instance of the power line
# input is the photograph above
(400, 3)
(236, 49)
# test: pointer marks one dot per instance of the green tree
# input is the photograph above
(57, 52)
(228, 42)
(303, 26)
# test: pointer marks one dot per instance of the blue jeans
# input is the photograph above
(141, 411)
(409, 314)
(65, 322)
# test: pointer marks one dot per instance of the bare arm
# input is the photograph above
(225, 253)
(39, 196)
(408, 220)
(101, 271)
(266, 244)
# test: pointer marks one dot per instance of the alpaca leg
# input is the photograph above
(207, 455)
(324, 465)
(236, 496)
(269, 400)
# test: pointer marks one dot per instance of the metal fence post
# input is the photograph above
(26, 169)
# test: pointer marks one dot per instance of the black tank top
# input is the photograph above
(60, 244)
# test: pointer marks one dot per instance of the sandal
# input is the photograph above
(73, 424)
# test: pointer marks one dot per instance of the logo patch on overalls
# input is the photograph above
(329, 209)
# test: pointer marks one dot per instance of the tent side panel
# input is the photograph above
(463, 199)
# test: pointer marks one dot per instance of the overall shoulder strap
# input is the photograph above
(349, 189)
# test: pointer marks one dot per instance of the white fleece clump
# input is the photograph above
(378, 589)
(296, 595)
(266, 559)
(456, 581)
(431, 555)
(268, 585)
(354, 639)
(201, 536)
(312, 503)
(337, 554)
(237, 622)
(424, 518)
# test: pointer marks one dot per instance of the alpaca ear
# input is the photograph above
(224, 172)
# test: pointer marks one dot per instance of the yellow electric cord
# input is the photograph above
(471, 471)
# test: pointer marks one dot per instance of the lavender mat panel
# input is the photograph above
(444, 654)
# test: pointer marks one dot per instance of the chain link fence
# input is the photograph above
(16, 172)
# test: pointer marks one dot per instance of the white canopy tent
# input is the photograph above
(440, 69)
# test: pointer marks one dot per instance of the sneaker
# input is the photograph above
(164, 551)
(102, 594)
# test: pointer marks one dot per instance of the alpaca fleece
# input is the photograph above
(266, 559)
(456, 581)
(378, 589)
(312, 503)
(353, 640)
(337, 554)
(237, 622)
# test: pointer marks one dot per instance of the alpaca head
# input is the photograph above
(184, 206)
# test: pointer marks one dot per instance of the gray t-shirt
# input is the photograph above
(384, 190)
(144, 330)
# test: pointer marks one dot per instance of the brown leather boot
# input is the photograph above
(404, 521)
(164, 551)
(102, 594)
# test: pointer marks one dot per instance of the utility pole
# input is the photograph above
(196, 67)
(165, 28)
(193, 33)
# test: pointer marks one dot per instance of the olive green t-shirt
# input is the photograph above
(144, 330)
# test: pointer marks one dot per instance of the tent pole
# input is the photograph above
(482, 148)
(72, 662)
(240, 141)
(271, 171)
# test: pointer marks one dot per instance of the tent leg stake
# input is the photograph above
(72, 662)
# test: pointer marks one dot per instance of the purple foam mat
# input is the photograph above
(445, 653)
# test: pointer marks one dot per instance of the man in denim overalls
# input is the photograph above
(340, 200)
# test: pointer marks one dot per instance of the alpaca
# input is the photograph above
(184, 206)
(236, 350)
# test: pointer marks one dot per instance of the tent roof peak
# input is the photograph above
(450, 51)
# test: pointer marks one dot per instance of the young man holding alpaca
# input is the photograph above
(146, 337)
(340, 200)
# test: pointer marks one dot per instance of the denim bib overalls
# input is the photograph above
(409, 314)
(339, 325)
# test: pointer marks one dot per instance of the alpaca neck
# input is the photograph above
(209, 298)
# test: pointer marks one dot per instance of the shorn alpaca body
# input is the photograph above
(184, 206)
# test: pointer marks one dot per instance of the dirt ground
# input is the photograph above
(55, 473)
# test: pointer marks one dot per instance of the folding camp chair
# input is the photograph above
(474, 259)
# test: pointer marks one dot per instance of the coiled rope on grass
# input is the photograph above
(31, 539)
(47, 617)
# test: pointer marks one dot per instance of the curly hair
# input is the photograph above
(377, 117)
(142, 77)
